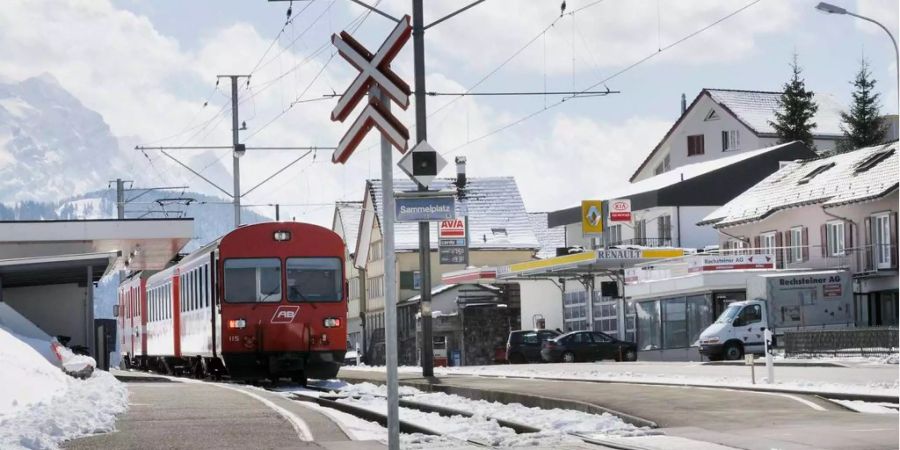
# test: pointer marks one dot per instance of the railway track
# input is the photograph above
(327, 398)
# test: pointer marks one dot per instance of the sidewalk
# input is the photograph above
(166, 414)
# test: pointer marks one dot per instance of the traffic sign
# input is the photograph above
(422, 163)
(425, 209)
(591, 217)
(374, 72)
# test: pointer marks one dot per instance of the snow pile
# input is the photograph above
(40, 406)
(15, 323)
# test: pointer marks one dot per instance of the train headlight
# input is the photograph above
(332, 322)
(282, 235)
(239, 323)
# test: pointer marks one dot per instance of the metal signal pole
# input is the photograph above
(418, 33)
(239, 149)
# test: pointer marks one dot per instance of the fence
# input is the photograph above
(849, 342)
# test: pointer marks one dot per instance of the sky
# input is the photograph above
(150, 66)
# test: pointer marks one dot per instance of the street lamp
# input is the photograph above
(832, 9)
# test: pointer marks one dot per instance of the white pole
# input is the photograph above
(390, 285)
(770, 367)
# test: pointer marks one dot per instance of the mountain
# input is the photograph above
(54, 154)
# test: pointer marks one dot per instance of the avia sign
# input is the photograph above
(706, 263)
(620, 211)
(452, 229)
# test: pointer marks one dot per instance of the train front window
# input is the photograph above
(252, 280)
(314, 280)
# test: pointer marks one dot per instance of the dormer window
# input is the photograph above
(499, 232)
(872, 160)
(815, 172)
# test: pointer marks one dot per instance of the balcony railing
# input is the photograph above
(644, 242)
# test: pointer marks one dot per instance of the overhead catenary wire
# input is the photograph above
(604, 80)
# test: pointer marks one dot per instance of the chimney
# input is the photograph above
(683, 103)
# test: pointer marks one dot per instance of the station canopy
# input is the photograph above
(593, 262)
(53, 251)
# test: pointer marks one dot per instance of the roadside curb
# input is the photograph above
(832, 395)
(759, 363)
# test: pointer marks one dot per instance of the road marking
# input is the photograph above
(299, 425)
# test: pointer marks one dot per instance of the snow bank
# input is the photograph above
(15, 323)
(40, 406)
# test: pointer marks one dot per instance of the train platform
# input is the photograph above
(741, 419)
(168, 413)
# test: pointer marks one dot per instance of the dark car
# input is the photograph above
(524, 346)
(587, 346)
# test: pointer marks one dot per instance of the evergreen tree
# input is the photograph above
(796, 108)
(862, 125)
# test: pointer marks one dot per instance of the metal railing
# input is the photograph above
(645, 242)
(881, 341)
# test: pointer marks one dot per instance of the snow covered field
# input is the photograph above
(860, 377)
(40, 406)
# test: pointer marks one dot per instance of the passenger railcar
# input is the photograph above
(264, 301)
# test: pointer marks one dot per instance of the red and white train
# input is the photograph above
(264, 301)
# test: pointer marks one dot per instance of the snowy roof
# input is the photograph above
(496, 214)
(860, 175)
(757, 108)
(549, 238)
(686, 172)
(349, 214)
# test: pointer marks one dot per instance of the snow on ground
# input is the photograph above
(869, 407)
(40, 406)
(878, 379)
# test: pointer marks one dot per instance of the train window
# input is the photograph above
(206, 286)
(314, 279)
(252, 280)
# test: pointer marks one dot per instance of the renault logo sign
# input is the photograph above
(592, 217)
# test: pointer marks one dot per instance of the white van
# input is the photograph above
(784, 302)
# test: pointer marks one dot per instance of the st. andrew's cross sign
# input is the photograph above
(374, 71)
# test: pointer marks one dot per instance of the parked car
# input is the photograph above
(524, 346)
(587, 346)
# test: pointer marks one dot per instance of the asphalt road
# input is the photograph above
(192, 415)
(739, 419)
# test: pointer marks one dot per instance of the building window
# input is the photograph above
(883, 240)
(375, 287)
(731, 140)
(376, 251)
(695, 145)
(663, 166)
(674, 323)
(797, 244)
(640, 231)
(812, 174)
(648, 325)
(664, 229)
(417, 279)
(711, 115)
(767, 242)
(575, 311)
(835, 238)
(615, 234)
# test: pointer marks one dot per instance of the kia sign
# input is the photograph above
(620, 211)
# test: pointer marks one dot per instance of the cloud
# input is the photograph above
(887, 12)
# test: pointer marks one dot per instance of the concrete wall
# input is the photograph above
(541, 297)
(59, 309)
(693, 236)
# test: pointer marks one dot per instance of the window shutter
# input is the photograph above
(757, 243)
(893, 240)
(789, 254)
(724, 141)
(849, 228)
(824, 235)
(779, 251)
(869, 255)
(805, 244)
(406, 280)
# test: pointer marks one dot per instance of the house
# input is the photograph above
(500, 232)
(346, 224)
(837, 212)
(722, 122)
(667, 207)
(550, 239)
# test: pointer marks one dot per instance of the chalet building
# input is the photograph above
(837, 212)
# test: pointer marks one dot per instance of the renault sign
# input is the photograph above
(592, 217)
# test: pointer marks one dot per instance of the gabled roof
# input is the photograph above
(496, 212)
(830, 181)
(755, 109)
(549, 238)
(349, 214)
